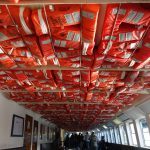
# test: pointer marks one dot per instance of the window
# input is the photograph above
(108, 136)
(102, 134)
(112, 135)
(145, 132)
(105, 135)
(123, 135)
(133, 135)
(99, 136)
(117, 135)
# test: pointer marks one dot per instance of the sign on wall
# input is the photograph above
(17, 126)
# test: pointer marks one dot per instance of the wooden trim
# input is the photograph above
(143, 92)
(53, 67)
(68, 103)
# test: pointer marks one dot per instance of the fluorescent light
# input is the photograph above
(117, 121)
(105, 127)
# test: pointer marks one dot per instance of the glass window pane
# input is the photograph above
(124, 136)
(118, 135)
(132, 128)
(146, 136)
(133, 135)
(112, 136)
(147, 143)
(108, 136)
(145, 132)
(134, 139)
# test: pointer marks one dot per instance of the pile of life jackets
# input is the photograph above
(72, 39)
(64, 35)
(142, 54)
(86, 113)
(30, 80)
(53, 34)
(65, 23)
(123, 30)
(124, 43)
(18, 44)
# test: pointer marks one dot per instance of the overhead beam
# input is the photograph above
(52, 67)
(40, 2)
(100, 22)
(140, 100)
(66, 103)
(40, 91)
(60, 110)
(116, 1)
(59, 103)
(145, 91)
(47, 67)
(72, 110)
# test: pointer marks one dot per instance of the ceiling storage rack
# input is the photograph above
(77, 63)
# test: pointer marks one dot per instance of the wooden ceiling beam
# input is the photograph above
(52, 67)
(145, 91)
(60, 103)
(72, 110)
(40, 91)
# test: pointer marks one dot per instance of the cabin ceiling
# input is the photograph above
(76, 65)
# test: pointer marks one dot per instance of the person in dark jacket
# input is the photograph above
(66, 143)
(86, 141)
(93, 142)
(102, 144)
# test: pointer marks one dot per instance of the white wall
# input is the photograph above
(7, 109)
(145, 107)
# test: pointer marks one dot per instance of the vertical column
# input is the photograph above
(136, 133)
(140, 137)
(115, 138)
(148, 120)
(121, 139)
(119, 135)
(127, 130)
(62, 137)
(125, 127)
(32, 135)
(110, 136)
(39, 132)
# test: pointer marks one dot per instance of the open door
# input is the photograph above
(35, 135)
(28, 132)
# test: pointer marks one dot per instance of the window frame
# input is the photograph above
(143, 132)
(117, 135)
(123, 139)
(130, 130)
(112, 135)
(108, 136)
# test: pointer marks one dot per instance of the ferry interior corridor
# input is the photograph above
(74, 75)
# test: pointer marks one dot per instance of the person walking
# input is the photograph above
(66, 143)
(93, 142)
(102, 144)
(86, 141)
(81, 141)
